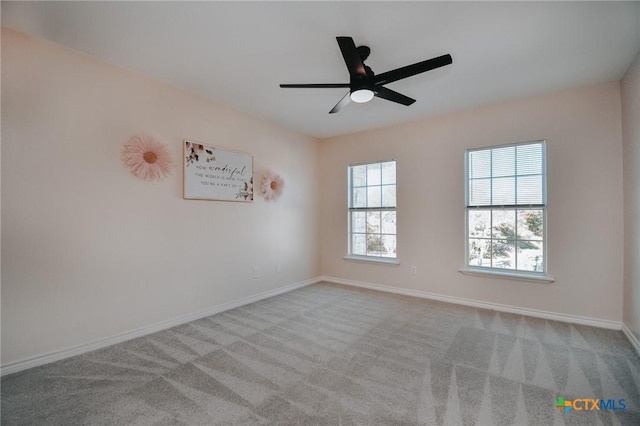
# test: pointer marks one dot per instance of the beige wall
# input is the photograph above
(90, 251)
(631, 149)
(585, 207)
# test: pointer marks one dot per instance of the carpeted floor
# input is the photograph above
(333, 355)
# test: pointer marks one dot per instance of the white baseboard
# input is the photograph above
(15, 366)
(574, 319)
(632, 338)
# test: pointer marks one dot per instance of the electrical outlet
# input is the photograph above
(278, 268)
(412, 270)
(256, 272)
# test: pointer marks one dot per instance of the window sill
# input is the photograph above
(542, 279)
(364, 259)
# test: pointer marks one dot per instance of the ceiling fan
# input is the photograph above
(364, 84)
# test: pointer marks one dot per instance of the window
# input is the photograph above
(372, 210)
(506, 208)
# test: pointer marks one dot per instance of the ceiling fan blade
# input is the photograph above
(314, 86)
(409, 70)
(351, 56)
(343, 102)
(390, 95)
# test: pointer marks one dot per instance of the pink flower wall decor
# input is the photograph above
(272, 186)
(147, 158)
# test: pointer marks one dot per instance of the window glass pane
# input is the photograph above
(504, 191)
(389, 196)
(480, 192)
(479, 164)
(373, 222)
(374, 196)
(530, 224)
(504, 224)
(360, 197)
(359, 175)
(529, 159)
(373, 174)
(479, 252)
(503, 161)
(530, 256)
(388, 222)
(530, 189)
(503, 254)
(359, 244)
(389, 243)
(358, 222)
(389, 173)
(375, 245)
(480, 223)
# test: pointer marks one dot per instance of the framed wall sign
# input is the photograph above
(214, 173)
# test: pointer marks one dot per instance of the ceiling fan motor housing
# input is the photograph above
(360, 83)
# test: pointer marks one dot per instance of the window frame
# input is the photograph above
(539, 276)
(350, 210)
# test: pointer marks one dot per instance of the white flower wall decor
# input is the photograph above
(272, 186)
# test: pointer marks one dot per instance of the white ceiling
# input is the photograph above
(238, 52)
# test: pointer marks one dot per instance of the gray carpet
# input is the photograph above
(333, 355)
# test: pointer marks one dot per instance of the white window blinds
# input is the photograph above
(507, 176)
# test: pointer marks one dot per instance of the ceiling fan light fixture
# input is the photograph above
(361, 95)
